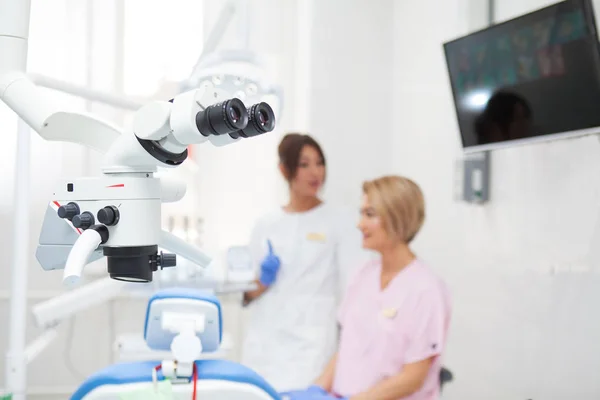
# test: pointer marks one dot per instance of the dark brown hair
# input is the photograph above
(290, 149)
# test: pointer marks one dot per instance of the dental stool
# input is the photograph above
(187, 323)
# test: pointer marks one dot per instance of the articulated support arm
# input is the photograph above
(43, 115)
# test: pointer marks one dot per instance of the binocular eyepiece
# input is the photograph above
(231, 117)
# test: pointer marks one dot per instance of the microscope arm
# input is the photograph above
(111, 99)
(172, 243)
(43, 115)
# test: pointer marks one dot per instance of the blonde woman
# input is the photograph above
(396, 311)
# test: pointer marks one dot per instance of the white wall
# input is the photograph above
(519, 331)
(350, 92)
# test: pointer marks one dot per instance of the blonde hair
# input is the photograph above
(400, 204)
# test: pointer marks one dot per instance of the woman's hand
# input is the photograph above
(269, 267)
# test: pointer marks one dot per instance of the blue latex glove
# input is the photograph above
(311, 392)
(305, 395)
(316, 389)
(325, 396)
(269, 267)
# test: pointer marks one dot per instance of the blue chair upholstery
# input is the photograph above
(137, 372)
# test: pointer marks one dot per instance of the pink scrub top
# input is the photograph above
(383, 330)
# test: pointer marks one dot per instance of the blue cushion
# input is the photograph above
(184, 293)
(124, 373)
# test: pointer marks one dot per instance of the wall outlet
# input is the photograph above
(472, 178)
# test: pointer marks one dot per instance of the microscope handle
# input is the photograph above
(80, 253)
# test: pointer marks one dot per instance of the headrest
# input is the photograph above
(173, 311)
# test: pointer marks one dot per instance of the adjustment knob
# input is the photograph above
(167, 260)
(108, 216)
(68, 211)
(83, 220)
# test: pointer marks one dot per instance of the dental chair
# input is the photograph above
(187, 323)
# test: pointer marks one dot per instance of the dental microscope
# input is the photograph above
(118, 214)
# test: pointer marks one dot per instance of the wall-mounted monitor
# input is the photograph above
(533, 78)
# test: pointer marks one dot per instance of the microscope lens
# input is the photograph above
(222, 118)
(262, 117)
(261, 120)
(234, 113)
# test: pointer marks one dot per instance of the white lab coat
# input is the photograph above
(292, 329)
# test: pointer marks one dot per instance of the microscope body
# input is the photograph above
(128, 206)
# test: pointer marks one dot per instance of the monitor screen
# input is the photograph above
(536, 77)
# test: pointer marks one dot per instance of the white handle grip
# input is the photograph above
(83, 248)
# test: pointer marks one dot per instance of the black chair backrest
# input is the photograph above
(445, 377)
